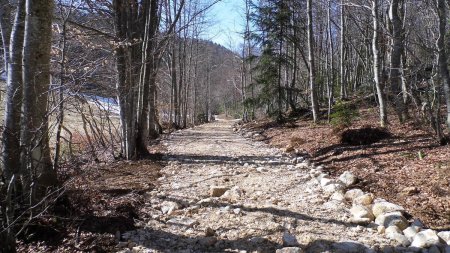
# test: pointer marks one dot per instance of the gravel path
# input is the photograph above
(270, 202)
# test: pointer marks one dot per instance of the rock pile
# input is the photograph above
(388, 217)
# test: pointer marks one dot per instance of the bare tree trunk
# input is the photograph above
(396, 54)
(376, 65)
(312, 75)
(442, 56)
(5, 30)
(343, 52)
(11, 134)
(36, 162)
(330, 77)
(125, 85)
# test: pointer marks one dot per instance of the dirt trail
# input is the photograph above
(272, 202)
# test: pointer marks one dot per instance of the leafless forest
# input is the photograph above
(88, 83)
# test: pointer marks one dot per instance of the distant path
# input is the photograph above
(270, 198)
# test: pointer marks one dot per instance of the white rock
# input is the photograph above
(360, 221)
(445, 235)
(359, 212)
(290, 250)
(392, 219)
(289, 240)
(183, 221)
(325, 180)
(167, 207)
(338, 196)
(347, 178)
(261, 169)
(352, 194)
(410, 232)
(392, 230)
(399, 238)
(333, 187)
(234, 194)
(365, 200)
(425, 238)
(385, 207)
(237, 211)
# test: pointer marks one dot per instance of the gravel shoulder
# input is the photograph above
(221, 192)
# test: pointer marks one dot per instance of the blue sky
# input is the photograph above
(227, 19)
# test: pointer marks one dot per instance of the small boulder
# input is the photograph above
(352, 194)
(290, 250)
(365, 200)
(338, 196)
(392, 230)
(359, 211)
(392, 219)
(410, 232)
(348, 178)
(425, 238)
(261, 169)
(289, 240)
(445, 235)
(401, 239)
(168, 207)
(233, 194)
(408, 191)
(383, 207)
(325, 180)
(183, 221)
(217, 191)
(330, 188)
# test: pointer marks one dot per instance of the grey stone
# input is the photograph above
(365, 200)
(290, 250)
(330, 188)
(261, 169)
(348, 247)
(359, 211)
(385, 207)
(445, 235)
(289, 240)
(398, 237)
(168, 207)
(347, 178)
(410, 232)
(392, 219)
(352, 194)
(338, 196)
(425, 238)
(233, 194)
(183, 221)
(434, 249)
(325, 180)
(447, 249)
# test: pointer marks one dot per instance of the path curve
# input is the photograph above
(271, 203)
